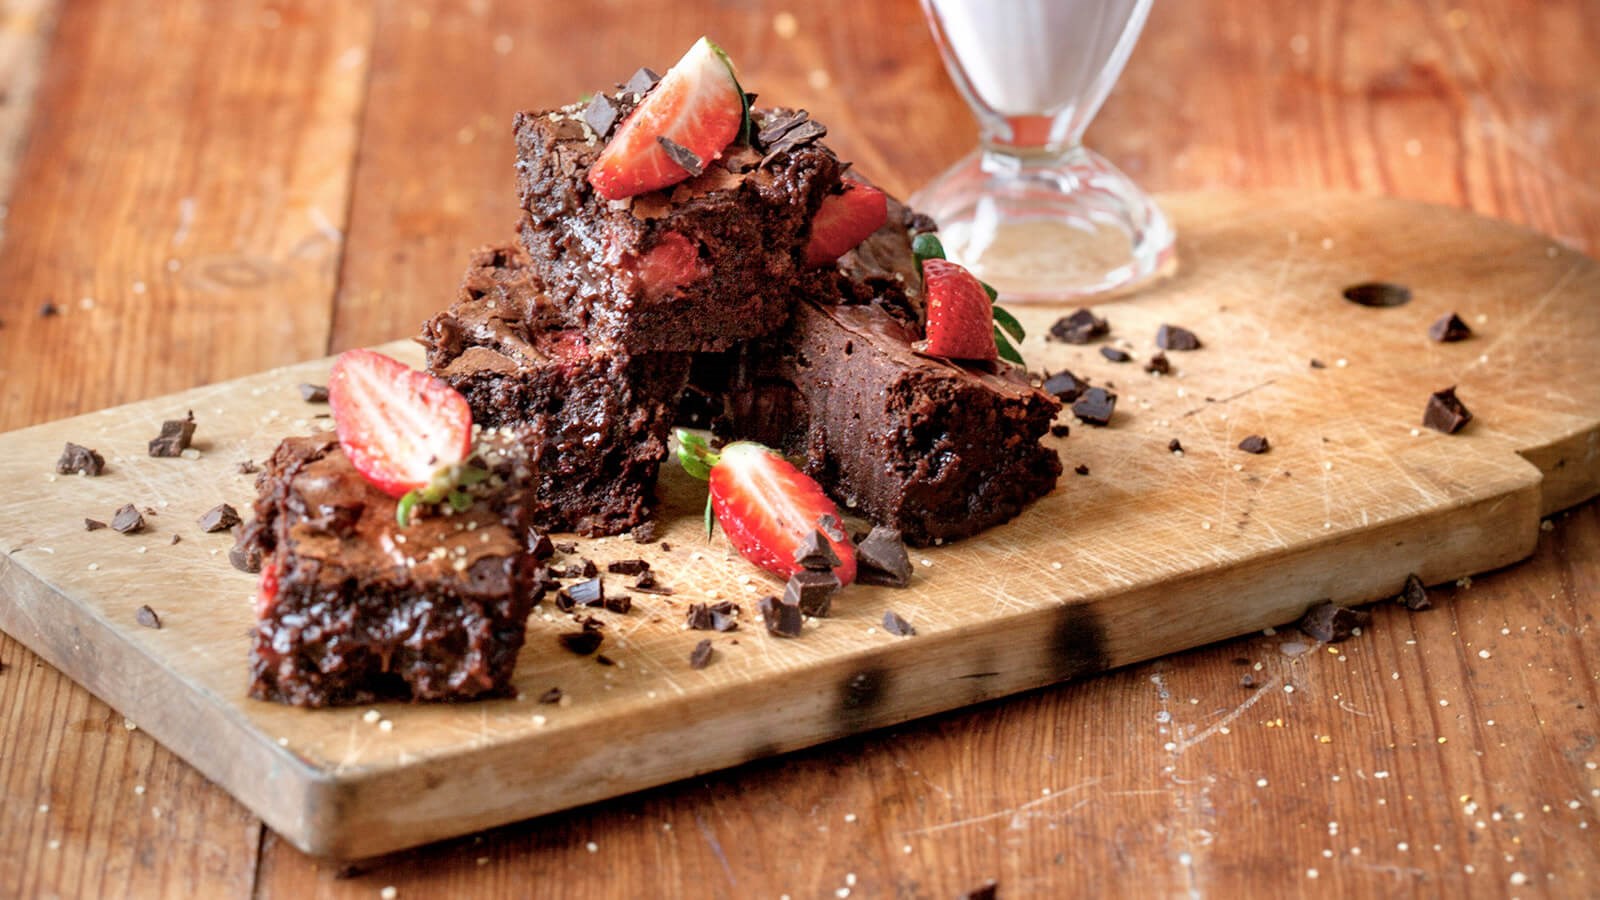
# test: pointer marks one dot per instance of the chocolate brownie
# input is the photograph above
(699, 266)
(365, 610)
(597, 417)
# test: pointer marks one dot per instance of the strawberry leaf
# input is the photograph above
(711, 519)
(695, 455)
(1007, 351)
(926, 247)
(1008, 323)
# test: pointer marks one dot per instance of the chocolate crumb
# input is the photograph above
(219, 518)
(1255, 443)
(645, 532)
(582, 642)
(1247, 680)
(604, 660)
(76, 458)
(93, 524)
(1174, 337)
(812, 591)
(1330, 623)
(1060, 431)
(1446, 412)
(1449, 329)
(1095, 406)
(127, 520)
(619, 604)
(1064, 386)
(1173, 446)
(600, 114)
(247, 468)
(648, 584)
(1415, 594)
(682, 156)
(1318, 364)
(314, 393)
(641, 81)
(1115, 355)
(881, 558)
(628, 566)
(174, 438)
(48, 309)
(1080, 327)
(782, 619)
(551, 696)
(1081, 469)
(815, 552)
(897, 626)
(1159, 365)
(700, 657)
(539, 545)
(176, 538)
(986, 891)
(666, 547)
(147, 617)
(1378, 294)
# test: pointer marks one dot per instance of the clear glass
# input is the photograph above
(1033, 211)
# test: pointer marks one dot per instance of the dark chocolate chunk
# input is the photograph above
(698, 617)
(628, 566)
(812, 591)
(1081, 469)
(831, 526)
(641, 81)
(1095, 406)
(551, 696)
(1378, 294)
(605, 660)
(986, 891)
(93, 524)
(644, 533)
(897, 626)
(1060, 431)
(1331, 623)
(147, 617)
(247, 467)
(1318, 364)
(245, 554)
(76, 458)
(1174, 337)
(1449, 329)
(314, 393)
(782, 619)
(1115, 355)
(127, 520)
(567, 546)
(1081, 327)
(1446, 412)
(618, 603)
(219, 518)
(174, 438)
(600, 114)
(881, 558)
(176, 538)
(539, 545)
(648, 584)
(815, 552)
(795, 136)
(48, 309)
(724, 617)
(1255, 443)
(1174, 447)
(591, 592)
(564, 601)
(1415, 595)
(682, 156)
(1064, 386)
(700, 657)
(779, 124)
(582, 642)
(1159, 365)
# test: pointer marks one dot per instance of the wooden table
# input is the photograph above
(205, 188)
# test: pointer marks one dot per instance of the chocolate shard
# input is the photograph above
(798, 135)
(897, 626)
(564, 601)
(776, 125)
(1115, 355)
(93, 524)
(1173, 446)
(77, 459)
(1175, 337)
(600, 115)
(245, 554)
(1449, 329)
(1080, 327)
(219, 518)
(1415, 594)
(539, 545)
(1095, 406)
(248, 467)
(551, 696)
(1330, 623)
(645, 533)
(881, 558)
(1378, 294)
(1255, 443)
(986, 891)
(698, 617)
(1081, 469)
(628, 566)
(700, 656)
(48, 309)
(812, 591)
(147, 617)
(682, 156)
(782, 619)
(1318, 364)
(127, 520)
(648, 584)
(641, 81)
(589, 570)
(174, 437)
(1446, 412)
(582, 642)
(314, 393)
(618, 603)
(1159, 365)
(724, 619)
(590, 592)
(566, 546)
(1060, 431)
(831, 526)
(1064, 386)
(815, 553)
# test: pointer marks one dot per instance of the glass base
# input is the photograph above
(1048, 226)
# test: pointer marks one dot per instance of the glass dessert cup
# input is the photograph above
(1033, 211)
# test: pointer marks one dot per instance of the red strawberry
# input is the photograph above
(398, 426)
(844, 220)
(697, 105)
(267, 594)
(673, 261)
(765, 505)
(960, 321)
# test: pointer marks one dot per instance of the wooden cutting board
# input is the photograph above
(1146, 554)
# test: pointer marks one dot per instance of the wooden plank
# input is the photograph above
(1350, 500)
(25, 30)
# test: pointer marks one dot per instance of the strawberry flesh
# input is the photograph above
(960, 320)
(267, 594)
(845, 220)
(767, 507)
(398, 426)
(671, 263)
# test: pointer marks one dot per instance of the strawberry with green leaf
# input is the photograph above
(963, 320)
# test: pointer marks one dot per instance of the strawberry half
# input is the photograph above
(844, 221)
(697, 105)
(402, 429)
(960, 321)
(765, 505)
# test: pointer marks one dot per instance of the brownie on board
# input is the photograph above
(699, 266)
(367, 611)
(596, 417)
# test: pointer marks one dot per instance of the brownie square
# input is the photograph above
(699, 266)
(596, 417)
(368, 611)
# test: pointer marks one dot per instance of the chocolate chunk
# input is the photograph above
(93, 524)
(219, 518)
(245, 554)
(628, 566)
(582, 642)
(700, 657)
(645, 532)
(1446, 412)
(619, 603)
(1159, 365)
(314, 393)
(1415, 594)
(600, 115)
(127, 520)
(174, 438)
(986, 891)
(1081, 327)
(682, 156)
(591, 592)
(1095, 406)
(648, 584)
(641, 81)
(1449, 329)
(539, 545)
(1174, 447)
(1060, 431)
(881, 558)
(566, 546)
(1115, 355)
(1330, 623)
(1173, 337)
(1255, 443)
(815, 552)
(48, 309)
(1064, 386)
(1318, 364)
(779, 124)
(812, 591)
(795, 136)
(605, 660)
(897, 626)
(698, 617)
(147, 617)
(76, 458)
(831, 526)
(564, 601)
(247, 468)
(551, 696)
(1378, 294)
(1081, 469)
(782, 619)
(724, 619)
(176, 538)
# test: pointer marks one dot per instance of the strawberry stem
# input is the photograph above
(695, 455)
(407, 504)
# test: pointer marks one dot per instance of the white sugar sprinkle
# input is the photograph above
(385, 725)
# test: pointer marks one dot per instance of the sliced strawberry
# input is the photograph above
(845, 220)
(672, 262)
(697, 105)
(960, 321)
(267, 594)
(399, 427)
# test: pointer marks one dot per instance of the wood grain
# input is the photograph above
(1485, 104)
